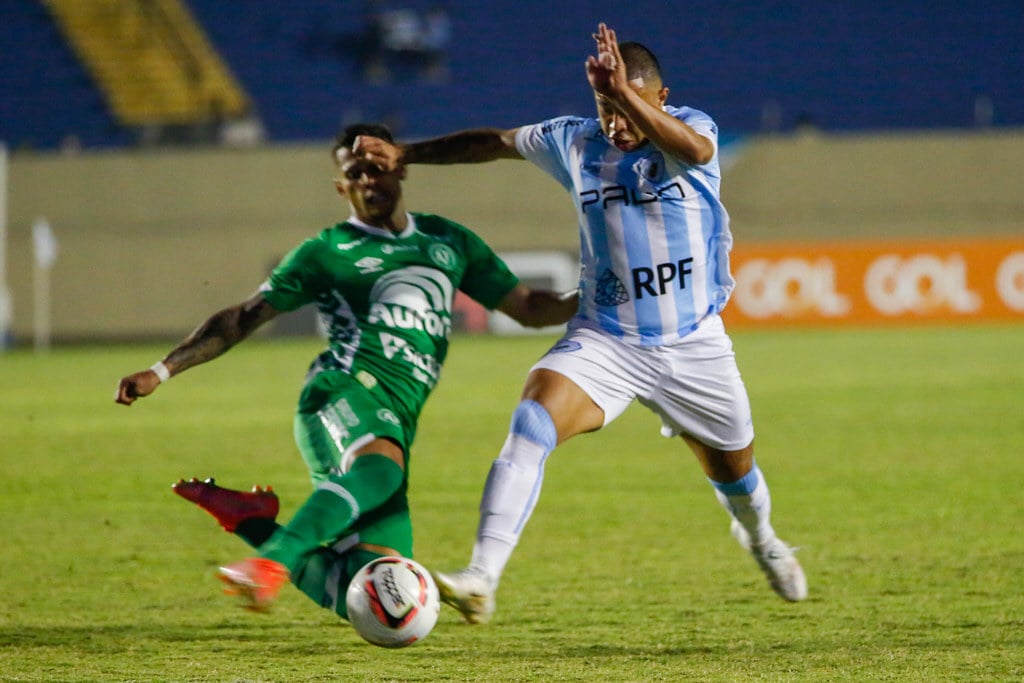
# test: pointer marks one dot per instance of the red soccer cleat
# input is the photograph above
(227, 506)
(256, 580)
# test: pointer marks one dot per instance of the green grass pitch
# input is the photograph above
(895, 459)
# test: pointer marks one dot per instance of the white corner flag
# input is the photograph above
(44, 244)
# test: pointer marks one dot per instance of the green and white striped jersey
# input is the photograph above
(386, 299)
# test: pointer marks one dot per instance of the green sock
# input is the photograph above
(323, 575)
(256, 530)
(333, 507)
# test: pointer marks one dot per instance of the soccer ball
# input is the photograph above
(393, 602)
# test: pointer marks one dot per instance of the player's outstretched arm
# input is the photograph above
(464, 147)
(219, 333)
(539, 307)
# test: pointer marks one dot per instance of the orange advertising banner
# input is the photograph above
(877, 282)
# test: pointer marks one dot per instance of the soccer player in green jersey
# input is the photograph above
(384, 281)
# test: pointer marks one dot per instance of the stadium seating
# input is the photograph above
(151, 60)
(841, 66)
(47, 95)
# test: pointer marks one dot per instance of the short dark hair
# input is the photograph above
(640, 62)
(346, 138)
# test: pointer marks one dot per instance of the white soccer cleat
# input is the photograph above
(470, 591)
(778, 562)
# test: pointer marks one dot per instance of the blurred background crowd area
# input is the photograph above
(116, 73)
(176, 149)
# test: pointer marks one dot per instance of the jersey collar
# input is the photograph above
(381, 232)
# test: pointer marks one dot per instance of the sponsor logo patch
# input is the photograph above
(566, 347)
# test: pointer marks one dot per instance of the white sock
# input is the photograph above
(750, 503)
(510, 495)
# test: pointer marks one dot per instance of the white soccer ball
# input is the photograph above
(393, 602)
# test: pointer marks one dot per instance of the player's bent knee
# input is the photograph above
(531, 421)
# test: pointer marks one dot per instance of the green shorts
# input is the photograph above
(336, 416)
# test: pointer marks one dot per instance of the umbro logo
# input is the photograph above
(369, 264)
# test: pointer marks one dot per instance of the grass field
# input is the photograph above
(894, 459)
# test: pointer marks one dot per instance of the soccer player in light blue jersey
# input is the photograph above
(654, 245)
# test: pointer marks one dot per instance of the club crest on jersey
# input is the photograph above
(385, 415)
(369, 264)
(610, 290)
(442, 255)
(650, 167)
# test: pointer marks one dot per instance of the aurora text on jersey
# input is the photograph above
(654, 235)
(386, 300)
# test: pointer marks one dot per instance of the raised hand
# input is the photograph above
(378, 152)
(606, 72)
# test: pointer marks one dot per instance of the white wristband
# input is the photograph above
(161, 371)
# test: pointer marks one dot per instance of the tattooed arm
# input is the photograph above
(471, 146)
(219, 333)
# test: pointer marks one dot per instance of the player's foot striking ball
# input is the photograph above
(256, 581)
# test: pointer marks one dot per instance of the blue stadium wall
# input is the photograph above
(854, 65)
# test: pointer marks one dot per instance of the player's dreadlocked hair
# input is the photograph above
(640, 62)
(346, 138)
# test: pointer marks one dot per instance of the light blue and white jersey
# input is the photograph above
(654, 235)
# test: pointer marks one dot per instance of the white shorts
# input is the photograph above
(693, 386)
